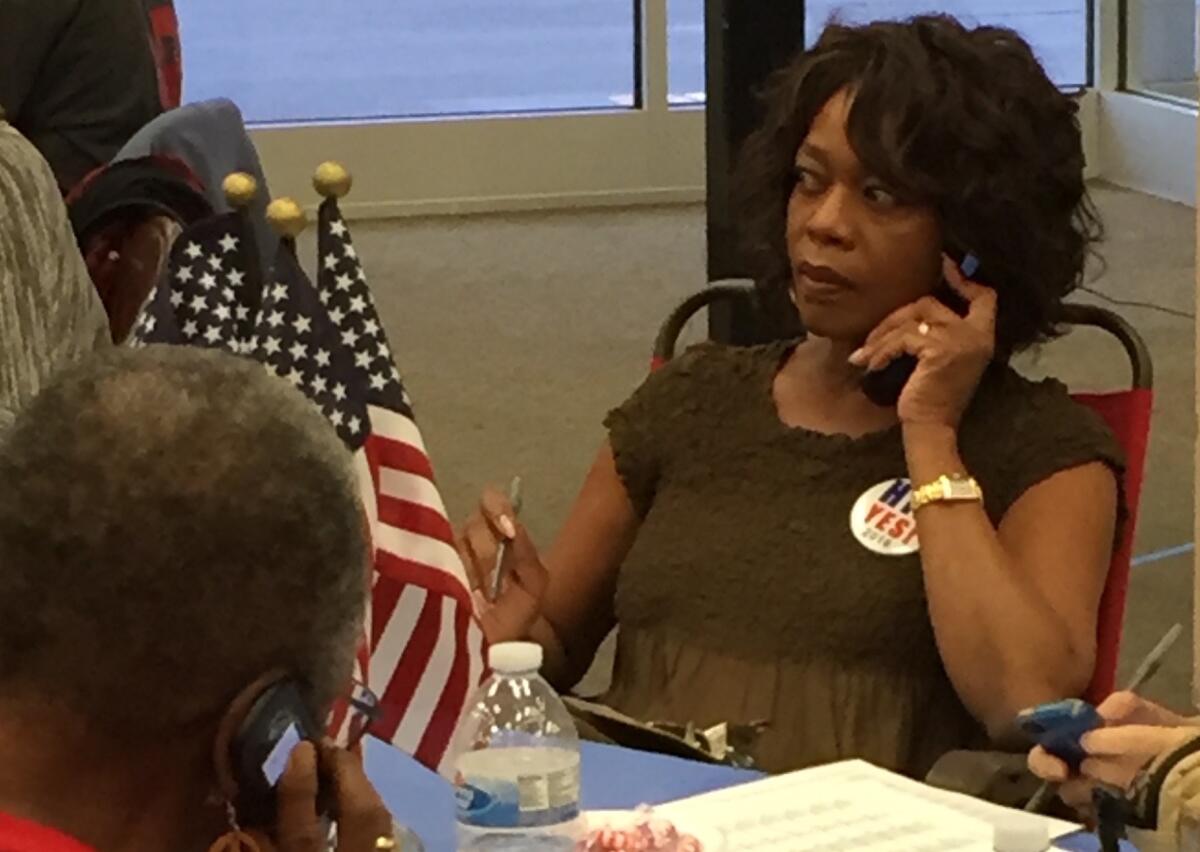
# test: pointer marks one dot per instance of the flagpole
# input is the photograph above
(289, 221)
(240, 191)
(332, 180)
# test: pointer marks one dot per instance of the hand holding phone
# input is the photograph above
(276, 724)
(928, 357)
(883, 387)
(360, 815)
(1057, 727)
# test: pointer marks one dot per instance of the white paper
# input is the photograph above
(847, 806)
(968, 805)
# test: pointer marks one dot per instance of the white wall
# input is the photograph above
(1148, 145)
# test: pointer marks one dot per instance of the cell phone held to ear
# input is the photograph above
(883, 387)
(278, 721)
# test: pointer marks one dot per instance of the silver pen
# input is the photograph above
(1148, 669)
(514, 497)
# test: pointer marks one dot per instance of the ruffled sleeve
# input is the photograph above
(641, 430)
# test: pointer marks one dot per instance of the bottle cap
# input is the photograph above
(514, 657)
(1020, 833)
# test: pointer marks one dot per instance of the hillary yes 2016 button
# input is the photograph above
(883, 520)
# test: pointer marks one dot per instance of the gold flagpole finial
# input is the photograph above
(240, 190)
(332, 180)
(286, 217)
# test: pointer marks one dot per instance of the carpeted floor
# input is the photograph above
(516, 333)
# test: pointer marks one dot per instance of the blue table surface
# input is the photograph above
(1088, 843)
(613, 779)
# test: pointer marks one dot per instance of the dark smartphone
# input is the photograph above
(277, 722)
(883, 387)
(1057, 728)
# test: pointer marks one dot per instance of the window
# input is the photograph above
(313, 60)
(1058, 30)
(685, 52)
(1160, 48)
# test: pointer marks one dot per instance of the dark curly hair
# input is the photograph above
(174, 523)
(962, 120)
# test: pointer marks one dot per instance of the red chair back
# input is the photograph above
(1127, 414)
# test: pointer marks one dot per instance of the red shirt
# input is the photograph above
(18, 835)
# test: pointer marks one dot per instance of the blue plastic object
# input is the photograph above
(1057, 727)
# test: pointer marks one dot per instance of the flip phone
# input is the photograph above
(278, 721)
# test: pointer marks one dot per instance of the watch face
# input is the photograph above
(960, 490)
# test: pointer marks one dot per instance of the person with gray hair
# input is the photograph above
(50, 313)
(178, 531)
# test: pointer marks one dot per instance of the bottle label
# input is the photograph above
(528, 801)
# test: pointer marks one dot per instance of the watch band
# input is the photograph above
(952, 488)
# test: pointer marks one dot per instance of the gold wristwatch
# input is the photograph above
(954, 488)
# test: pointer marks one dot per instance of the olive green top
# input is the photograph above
(747, 597)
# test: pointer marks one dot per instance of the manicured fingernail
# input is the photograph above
(858, 357)
(506, 526)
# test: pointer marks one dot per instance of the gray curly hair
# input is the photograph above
(175, 523)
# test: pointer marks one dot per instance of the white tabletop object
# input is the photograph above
(1018, 832)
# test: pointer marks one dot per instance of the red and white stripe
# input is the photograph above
(427, 650)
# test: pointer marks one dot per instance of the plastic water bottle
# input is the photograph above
(517, 770)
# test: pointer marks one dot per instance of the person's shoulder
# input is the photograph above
(705, 380)
(24, 173)
(710, 360)
(1020, 431)
(1030, 413)
(15, 148)
(1009, 397)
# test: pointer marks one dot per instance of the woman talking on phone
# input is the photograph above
(884, 581)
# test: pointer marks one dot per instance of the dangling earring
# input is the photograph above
(234, 840)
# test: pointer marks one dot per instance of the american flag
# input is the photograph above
(427, 651)
(207, 296)
(424, 651)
